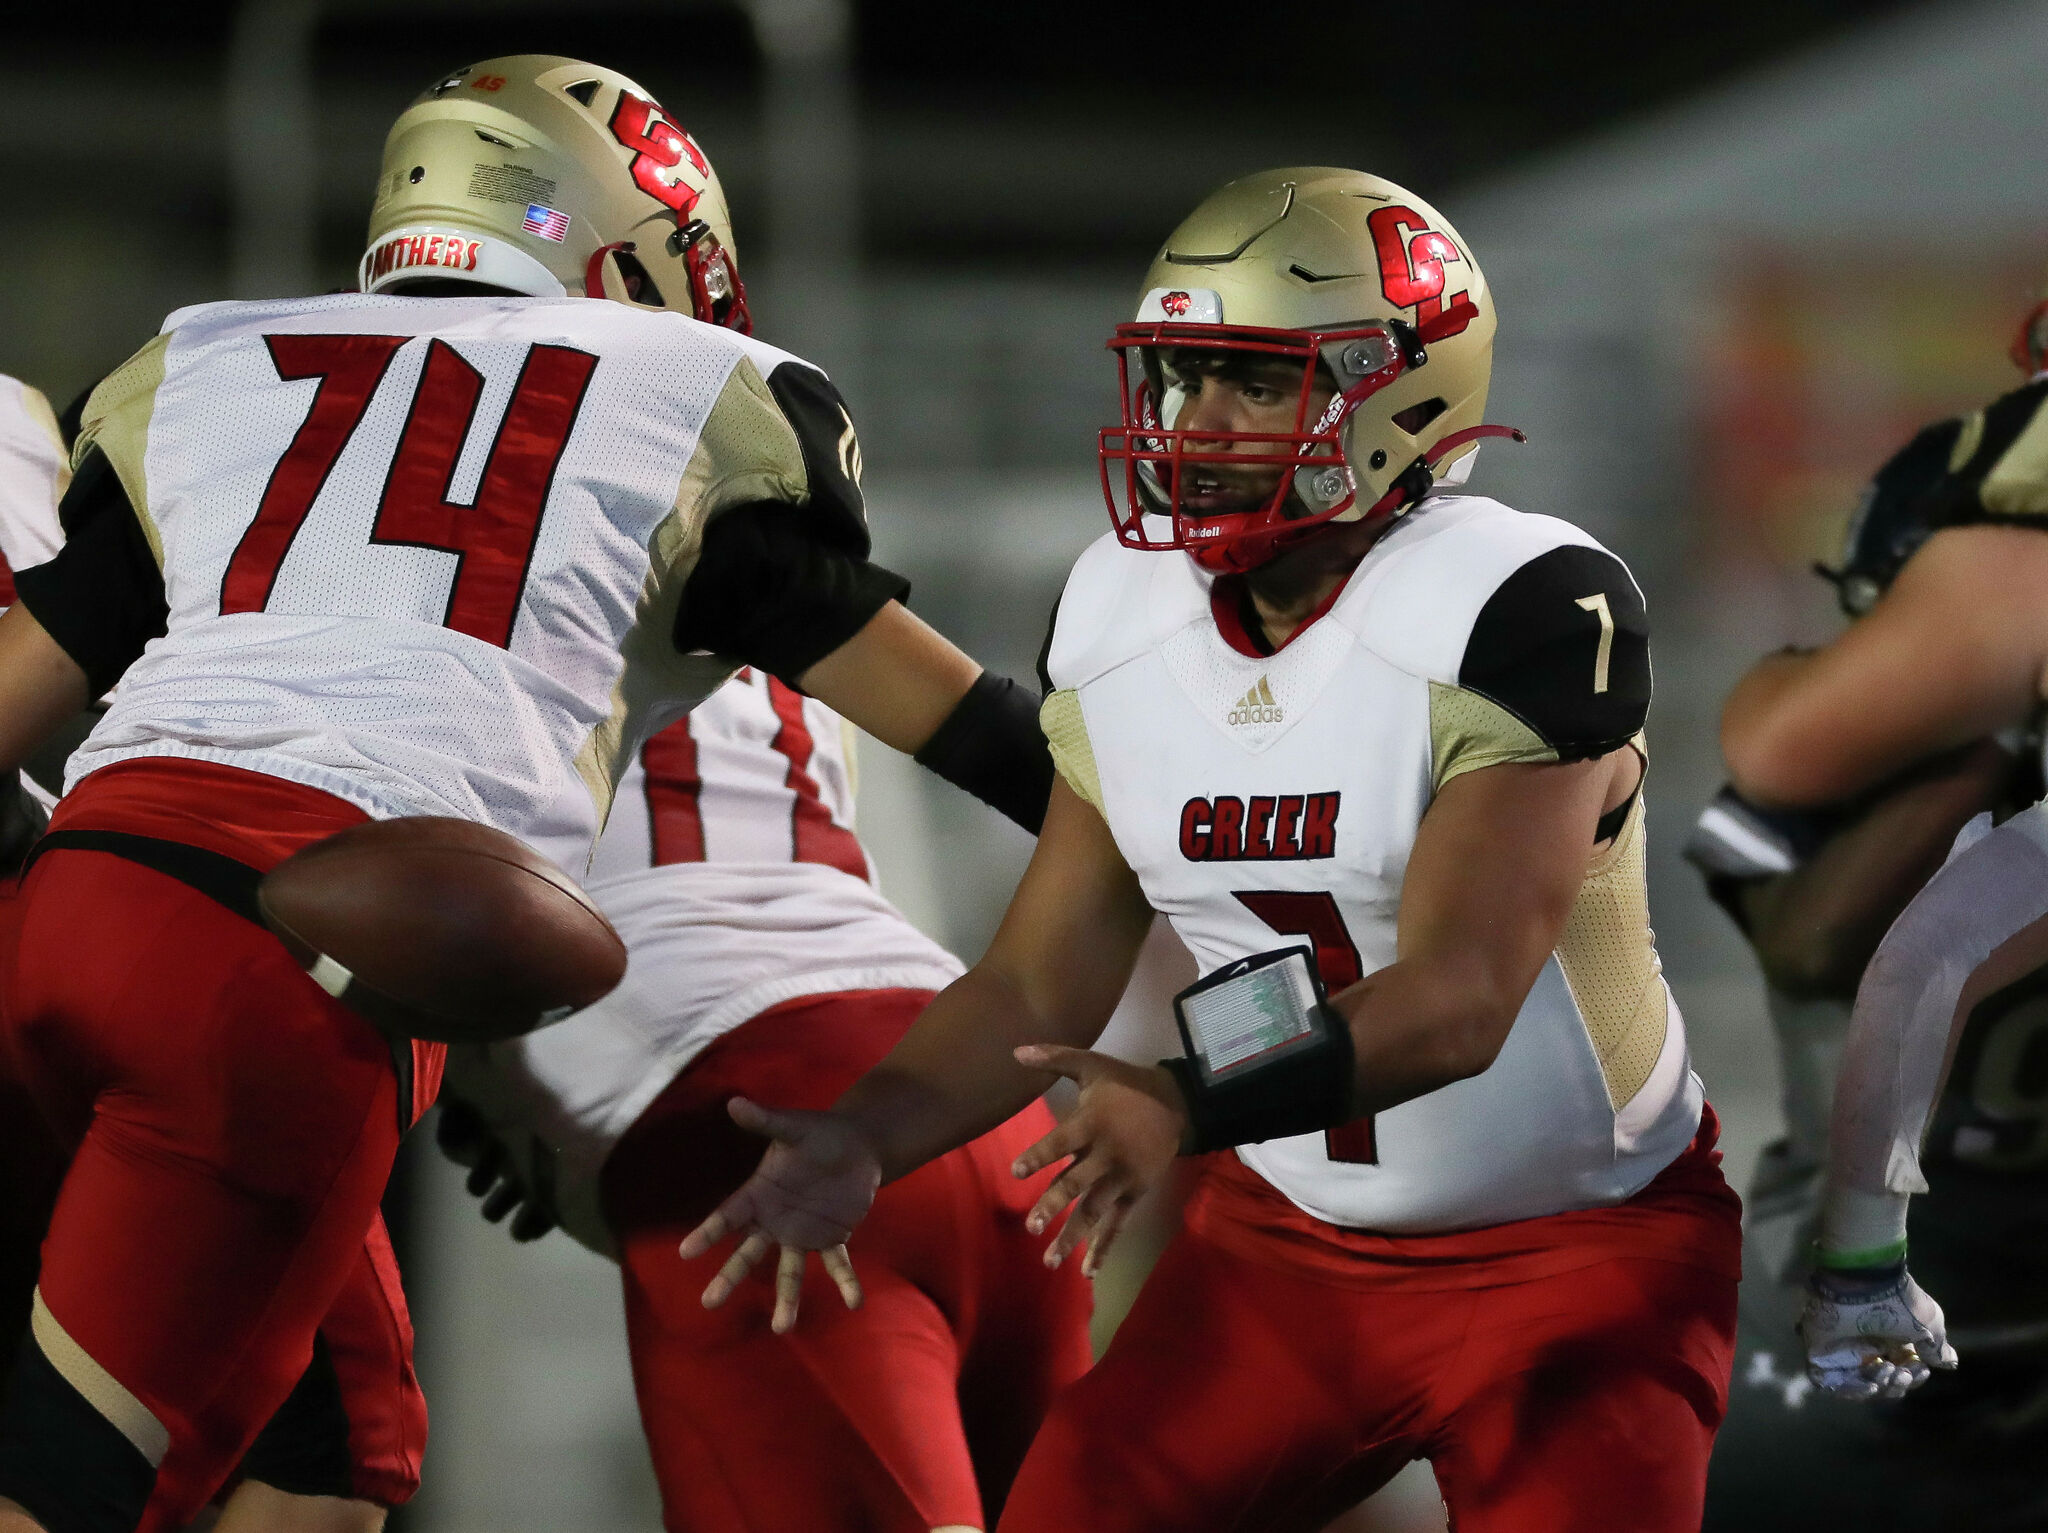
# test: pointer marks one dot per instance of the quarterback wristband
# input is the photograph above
(1265, 1057)
(991, 746)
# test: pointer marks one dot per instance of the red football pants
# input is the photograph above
(902, 1415)
(1239, 1396)
(233, 1129)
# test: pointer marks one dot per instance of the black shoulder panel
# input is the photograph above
(1564, 645)
(831, 451)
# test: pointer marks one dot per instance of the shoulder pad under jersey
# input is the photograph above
(1117, 604)
(1524, 610)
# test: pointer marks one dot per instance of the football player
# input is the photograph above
(765, 963)
(1950, 650)
(1815, 889)
(1303, 697)
(346, 1445)
(455, 545)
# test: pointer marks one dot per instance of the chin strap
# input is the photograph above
(1457, 439)
(593, 274)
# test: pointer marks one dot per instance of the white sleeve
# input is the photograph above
(1979, 924)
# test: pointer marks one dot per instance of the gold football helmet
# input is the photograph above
(547, 176)
(1363, 285)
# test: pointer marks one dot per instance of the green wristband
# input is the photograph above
(1874, 1256)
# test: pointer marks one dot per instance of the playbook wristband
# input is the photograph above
(1266, 1065)
(991, 745)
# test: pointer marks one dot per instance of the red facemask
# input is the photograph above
(1146, 464)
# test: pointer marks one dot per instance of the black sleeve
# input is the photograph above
(102, 597)
(1544, 650)
(774, 588)
(824, 431)
(991, 745)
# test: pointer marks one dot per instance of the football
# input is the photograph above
(442, 929)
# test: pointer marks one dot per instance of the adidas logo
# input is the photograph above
(1256, 706)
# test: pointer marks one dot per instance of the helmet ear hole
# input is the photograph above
(640, 285)
(1415, 417)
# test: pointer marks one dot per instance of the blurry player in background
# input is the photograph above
(35, 470)
(387, 556)
(1854, 766)
(765, 963)
(1475, 1214)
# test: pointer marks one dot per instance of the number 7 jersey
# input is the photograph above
(1270, 799)
(427, 554)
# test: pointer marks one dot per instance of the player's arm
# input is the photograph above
(41, 686)
(1953, 652)
(1815, 927)
(1054, 971)
(81, 618)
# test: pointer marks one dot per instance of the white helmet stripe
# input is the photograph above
(430, 250)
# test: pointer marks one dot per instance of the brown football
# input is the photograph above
(442, 928)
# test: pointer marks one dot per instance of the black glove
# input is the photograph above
(494, 1176)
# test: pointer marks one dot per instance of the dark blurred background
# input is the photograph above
(1739, 249)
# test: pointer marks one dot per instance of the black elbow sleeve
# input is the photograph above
(991, 745)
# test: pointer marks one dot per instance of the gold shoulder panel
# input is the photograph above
(1467, 732)
(1609, 958)
(2017, 484)
(746, 451)
(116, 421)
(1066, 731)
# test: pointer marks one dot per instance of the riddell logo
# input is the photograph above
(1175, 304)
(1256, 706)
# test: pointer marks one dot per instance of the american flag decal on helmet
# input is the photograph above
(548, 223)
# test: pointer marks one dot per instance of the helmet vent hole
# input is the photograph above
(583, 91)
(417, 174)
(492, 138)
(1415, 417)
(639, 285)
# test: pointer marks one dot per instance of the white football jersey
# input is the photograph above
(731, 868)
(34, 469)
(1268, 800)
(426, 555)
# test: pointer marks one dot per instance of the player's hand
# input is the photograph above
(1872, 1336)
(814, 1185)
(464, 1137)
(1122, 1136)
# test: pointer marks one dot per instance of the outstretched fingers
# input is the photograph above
(737, 1266)
(1068, 1138)
(789, 1288)
(839, 1266)
(734, 1213)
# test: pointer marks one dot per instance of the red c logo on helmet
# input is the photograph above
(1412, 260)
(1175, 304)
(658, 145)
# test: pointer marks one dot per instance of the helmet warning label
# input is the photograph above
(510, 183)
